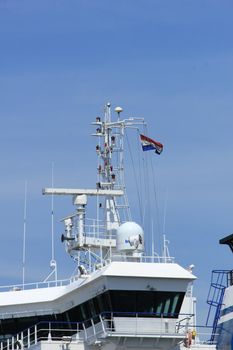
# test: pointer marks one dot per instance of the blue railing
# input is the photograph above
(220, 280)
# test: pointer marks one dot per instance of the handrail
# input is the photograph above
(104, 324)
(65, 282)
(143, 259)
(220, 280)
(38, 285)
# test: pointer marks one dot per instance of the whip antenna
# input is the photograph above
(24, 230)
(53, 263)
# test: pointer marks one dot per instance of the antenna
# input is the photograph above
(166, 255)
(152, 238)
(165, 213)
(24, 230)
(52, 214)
(118, 110)
(53, 263)
(90, 242)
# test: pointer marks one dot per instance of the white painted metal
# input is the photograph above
(113, 264)
(75, 191)
(130, 237)
(116, 275)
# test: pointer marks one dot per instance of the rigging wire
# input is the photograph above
(98, 205)
(150, 181)
(164, 214)
(142, 179)
(147, 201)
(144, 182)
(135, 177)
(155, 194)
(147, 193)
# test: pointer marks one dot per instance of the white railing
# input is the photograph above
(143, 259)
(95, 228)
(65, 282)
(37, 285)
(105, 325)
(44, 331)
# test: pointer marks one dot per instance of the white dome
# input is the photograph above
(130, 236)
(130, 228)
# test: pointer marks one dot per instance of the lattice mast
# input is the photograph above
(110, 151)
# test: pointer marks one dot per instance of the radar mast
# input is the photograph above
(93, 242)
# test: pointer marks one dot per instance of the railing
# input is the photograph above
(197, 334)
(65, 282)
(107, 324)
(54, 331)
(143, 259)
(37, 285)
(96, 228)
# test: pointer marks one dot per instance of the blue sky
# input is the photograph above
(168, 61)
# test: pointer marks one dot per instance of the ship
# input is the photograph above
(119, 297)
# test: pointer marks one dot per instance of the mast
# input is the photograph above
(92, 243)
(110, 152)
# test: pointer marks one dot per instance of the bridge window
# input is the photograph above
(157, 303)
(120, 302)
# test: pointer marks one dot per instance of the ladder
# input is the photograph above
(219, 282)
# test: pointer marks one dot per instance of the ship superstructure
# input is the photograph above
(119, 298)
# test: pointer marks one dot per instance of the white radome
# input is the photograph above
(118, 109)
(130, 237)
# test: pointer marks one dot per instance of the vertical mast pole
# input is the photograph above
(107, 164)
(52, 214)
(121, 126)
(24, 231)
(53, 263)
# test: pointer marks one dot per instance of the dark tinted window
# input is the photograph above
(121, 303)
(167, 304)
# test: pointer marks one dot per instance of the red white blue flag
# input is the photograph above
(150, 144)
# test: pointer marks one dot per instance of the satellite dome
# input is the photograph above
(130, 237)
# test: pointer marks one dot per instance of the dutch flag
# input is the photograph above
(149, 144)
